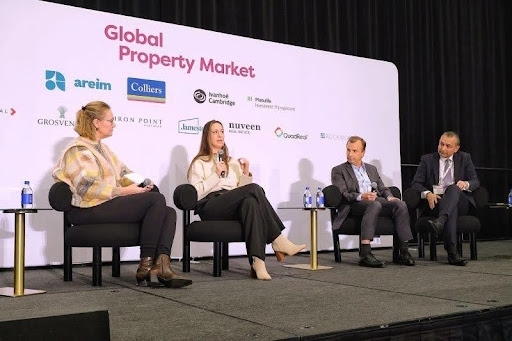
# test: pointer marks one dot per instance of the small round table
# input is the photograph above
(313, 223)
(19, 253)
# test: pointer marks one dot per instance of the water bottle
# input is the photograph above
(308, 200)
(27, 196)
(510, 198)
(320, 198)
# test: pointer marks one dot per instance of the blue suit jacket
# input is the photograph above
(427, 174)
(343, 177)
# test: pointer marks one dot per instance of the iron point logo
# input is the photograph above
(334, 136)
(242, 128)
(7, 111)
(147, 122)
(189, 126)
(267, 103)
(59, 121)
(219, 98)
(54, 80)
(280, 133)
(145, 90)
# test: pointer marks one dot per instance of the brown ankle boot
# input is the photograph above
(142, 275)
(162, 273)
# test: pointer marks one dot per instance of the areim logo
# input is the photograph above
(190, 126)
(55, 80)
(145, 90)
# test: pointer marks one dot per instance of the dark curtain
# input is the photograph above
(452, 57)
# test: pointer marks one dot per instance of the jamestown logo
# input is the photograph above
(145, 90)
(56, 80)
(189, 126)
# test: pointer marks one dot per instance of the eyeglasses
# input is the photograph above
(111, 120)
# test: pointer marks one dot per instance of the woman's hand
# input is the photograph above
(244, 164)
(220, 167)
(134, 189)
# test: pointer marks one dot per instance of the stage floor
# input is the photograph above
(295, 303)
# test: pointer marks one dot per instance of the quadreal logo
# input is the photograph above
(60, 120)
(145, 90)
(7, 111)
(219, 98)
(190, 126)
(334, 136)
(54, 80)
(267, 103)
(242, 128)
(280, 133)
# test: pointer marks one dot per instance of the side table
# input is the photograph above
(19, 253)
(313, 222)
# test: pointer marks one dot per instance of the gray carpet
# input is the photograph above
(296, 303)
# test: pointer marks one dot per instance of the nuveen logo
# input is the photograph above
(55, 79)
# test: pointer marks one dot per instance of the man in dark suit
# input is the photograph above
(446, 180)
(364, 194)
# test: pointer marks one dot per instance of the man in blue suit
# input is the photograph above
(364, 194)
(446, 179)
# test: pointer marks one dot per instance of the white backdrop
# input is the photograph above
(292, 109)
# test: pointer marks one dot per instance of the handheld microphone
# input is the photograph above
(374, 187)
(221, 154)
(145, 182)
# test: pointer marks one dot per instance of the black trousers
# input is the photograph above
(453, 203)
(158, 221)
(371, 210)
(248, 205)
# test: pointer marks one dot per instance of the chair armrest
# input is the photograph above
(396, 192)
(332, 196)
(185, 197)
(481, 196)
(412, 198)
(59, 196)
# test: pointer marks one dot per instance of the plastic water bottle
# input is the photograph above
(510, 198)
(308, 200)
(319, 198)
(27, 196)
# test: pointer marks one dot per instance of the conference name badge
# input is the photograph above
(438, 189)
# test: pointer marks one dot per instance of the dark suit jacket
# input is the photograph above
(427, 174)
(343, 177)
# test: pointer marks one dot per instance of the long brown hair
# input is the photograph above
(205, 152)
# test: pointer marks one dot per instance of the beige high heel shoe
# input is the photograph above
(259, 270)
(283, 246)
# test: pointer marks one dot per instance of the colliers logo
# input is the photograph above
(189, 126)
(221, 98)
(145, 90)
(54, 80)
(280, 133)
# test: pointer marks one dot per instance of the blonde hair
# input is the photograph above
(86, 115)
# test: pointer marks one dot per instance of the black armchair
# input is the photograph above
(352, 225)
(221, 233)
(113, 235)
(467, 224)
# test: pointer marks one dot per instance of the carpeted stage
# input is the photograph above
(431, 301)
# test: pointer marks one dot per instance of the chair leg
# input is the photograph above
(433, 246)
(421, 245)
(96, 266)
(336, 244)
(116, 261)
(217, 254)
(472, 245)
(68, 263)
(225, 256)
(396, 249)
(459, 243)
(186, 255)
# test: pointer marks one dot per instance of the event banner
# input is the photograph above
(288, 110)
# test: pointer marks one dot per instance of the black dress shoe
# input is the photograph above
(436, 227)
(369, 260)
(405, 258)
(455, 259)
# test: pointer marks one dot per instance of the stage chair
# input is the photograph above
(113, 235)
(352, 225)
(467, 224)
(221, 233)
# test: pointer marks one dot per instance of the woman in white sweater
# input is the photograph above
(226, 192)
